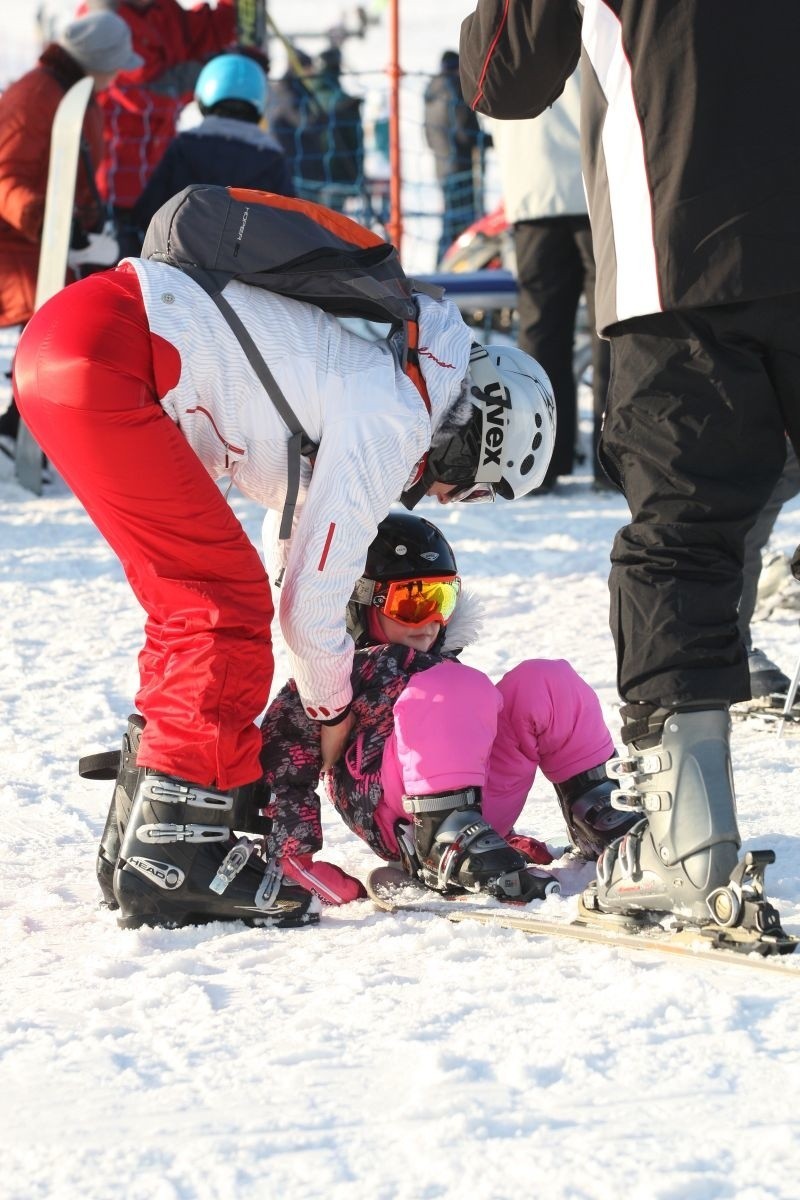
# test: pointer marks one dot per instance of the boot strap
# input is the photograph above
(104, 765)
(441, 801)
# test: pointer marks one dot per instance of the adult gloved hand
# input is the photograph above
(330, 883)
(102, 250)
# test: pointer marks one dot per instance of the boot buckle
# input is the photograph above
(232, 864)
(647, 762)
(162, 790)
(270, 885)
(628, 855)
(625, 800)
(165, 831)
(618, 768)
(452, 856)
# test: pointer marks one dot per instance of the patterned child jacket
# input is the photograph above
(291, 756)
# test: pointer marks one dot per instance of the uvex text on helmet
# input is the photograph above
(515, 401)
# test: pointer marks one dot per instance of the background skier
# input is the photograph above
(454, 135)
(227, 147)
(98, 45)
(142, 107)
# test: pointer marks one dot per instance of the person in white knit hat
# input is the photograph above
(98, 45)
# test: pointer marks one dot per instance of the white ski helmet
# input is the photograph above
(507, 443)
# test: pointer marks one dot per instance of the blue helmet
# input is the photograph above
(232, 77)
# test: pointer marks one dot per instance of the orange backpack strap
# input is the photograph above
(411, 365)
(337, 223)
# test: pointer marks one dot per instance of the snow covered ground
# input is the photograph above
(389, 1058)
(397, 1058)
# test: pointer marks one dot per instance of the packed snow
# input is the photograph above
(395, 1057)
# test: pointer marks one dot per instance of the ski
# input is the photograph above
(768, 715)
(391, 890)
(65, 145)
(769, 720)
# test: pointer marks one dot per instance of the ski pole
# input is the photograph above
(296, 65)
(790, 698)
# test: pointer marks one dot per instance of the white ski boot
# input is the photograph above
(681, 859)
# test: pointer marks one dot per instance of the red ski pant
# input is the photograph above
(85, 381)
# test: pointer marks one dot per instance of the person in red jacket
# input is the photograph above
(98, 45)
(141, 108)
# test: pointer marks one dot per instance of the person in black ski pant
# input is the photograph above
(692, 190)
(228, 147)
(767, 680)
(453, 134)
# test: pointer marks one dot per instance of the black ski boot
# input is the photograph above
(450, 848)
(592, 822)
(119, 765)
(179, 863)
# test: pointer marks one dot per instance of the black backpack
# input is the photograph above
(295, 248)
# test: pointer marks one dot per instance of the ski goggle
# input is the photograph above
(415, 602)
(472, 493)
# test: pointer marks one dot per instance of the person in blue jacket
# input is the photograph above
(228, 147)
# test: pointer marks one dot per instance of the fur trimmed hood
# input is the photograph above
(466, 623)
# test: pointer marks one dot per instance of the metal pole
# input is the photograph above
(395, 229)
(791, 696)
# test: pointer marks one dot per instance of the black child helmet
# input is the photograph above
(406, 547)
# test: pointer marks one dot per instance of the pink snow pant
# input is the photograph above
(87, 374)
(454, 728)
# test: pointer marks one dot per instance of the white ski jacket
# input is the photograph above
(351, 398)
(540, 160)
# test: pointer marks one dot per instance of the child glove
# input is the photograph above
(330, 883)
(530, 848)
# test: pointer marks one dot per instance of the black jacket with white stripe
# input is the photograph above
(690, 130)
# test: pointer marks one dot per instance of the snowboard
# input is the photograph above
(62, 171)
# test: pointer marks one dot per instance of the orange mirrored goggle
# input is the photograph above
(417, 601)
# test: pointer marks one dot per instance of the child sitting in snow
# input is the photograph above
(441, 760)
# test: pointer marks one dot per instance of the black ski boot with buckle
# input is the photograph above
(592, 821)
(119, 765)
(180, 863)
(451, 848)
